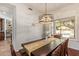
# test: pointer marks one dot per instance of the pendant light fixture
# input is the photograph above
(45, 18)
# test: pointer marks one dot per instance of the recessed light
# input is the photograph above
(30, 9)
(4, 12)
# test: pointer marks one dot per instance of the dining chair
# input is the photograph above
(64, 48)
(57, 51)
(13, 53)
(23, 52)
(57, 36)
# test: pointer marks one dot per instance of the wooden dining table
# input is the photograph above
(42, 47)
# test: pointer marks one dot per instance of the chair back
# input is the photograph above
(57, 51)
(64, 48)
(57, 36)
(13, 53)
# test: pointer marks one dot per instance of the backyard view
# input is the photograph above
(65, 28)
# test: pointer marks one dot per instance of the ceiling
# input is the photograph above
(6, 9)
(40, 7)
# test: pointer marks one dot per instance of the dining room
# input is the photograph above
(45, 29)
(46, 23)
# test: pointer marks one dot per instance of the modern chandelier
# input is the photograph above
(46, 18)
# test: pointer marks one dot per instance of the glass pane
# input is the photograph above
(66, 28)
(57, 24)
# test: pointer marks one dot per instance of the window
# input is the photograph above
(65, 27)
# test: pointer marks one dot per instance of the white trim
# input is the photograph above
(5, 28)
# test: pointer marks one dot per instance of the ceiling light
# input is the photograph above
(46, 18)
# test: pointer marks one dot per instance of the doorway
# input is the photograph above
(5, 36)
(6, 28)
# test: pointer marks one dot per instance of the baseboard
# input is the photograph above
(74, 49)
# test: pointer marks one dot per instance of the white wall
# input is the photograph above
(68, 11)
(25, 31)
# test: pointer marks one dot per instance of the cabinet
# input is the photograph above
(1, 30)
(1, 36)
